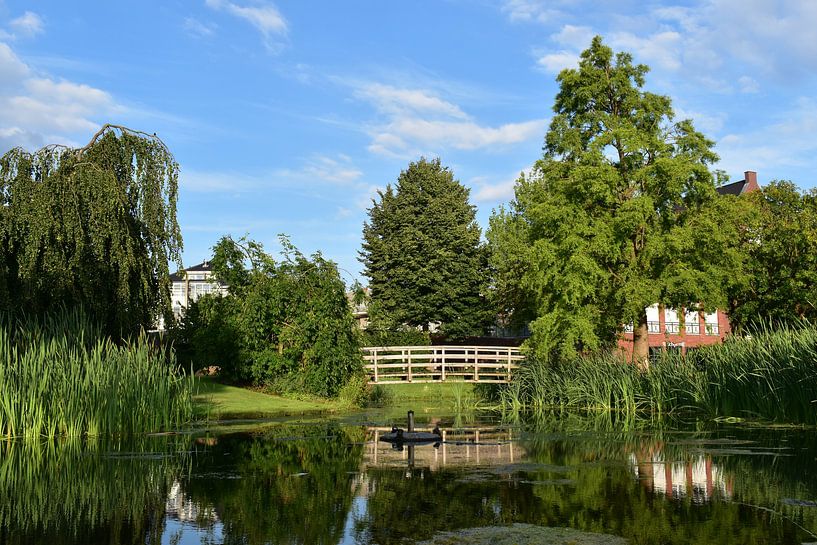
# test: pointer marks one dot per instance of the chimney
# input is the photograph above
(750, 177)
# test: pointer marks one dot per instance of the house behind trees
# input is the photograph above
(684, 329)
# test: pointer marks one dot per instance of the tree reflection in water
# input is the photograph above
(323, 484)
(287, 484)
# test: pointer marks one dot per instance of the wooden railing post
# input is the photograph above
(409, 364)
(442, 366)
(375, 364)
(509, 364)
(476, 364)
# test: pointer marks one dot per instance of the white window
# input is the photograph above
(692, 324)
(652, 319)
(671, 323)
(711, 321)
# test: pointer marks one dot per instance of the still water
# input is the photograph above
(329, 481)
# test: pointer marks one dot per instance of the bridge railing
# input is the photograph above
(407, 364)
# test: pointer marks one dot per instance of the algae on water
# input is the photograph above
(522, 534)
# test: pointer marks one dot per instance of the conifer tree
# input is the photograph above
(422, 253)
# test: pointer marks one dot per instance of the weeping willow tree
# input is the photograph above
(93, 226)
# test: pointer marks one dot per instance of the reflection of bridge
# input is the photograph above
(461, 447)
(404, 364)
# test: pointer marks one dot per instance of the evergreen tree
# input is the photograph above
(422, 253)
(620, 213)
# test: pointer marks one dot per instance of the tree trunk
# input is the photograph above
(641, 342)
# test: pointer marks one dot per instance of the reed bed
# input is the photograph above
(60, 376)
(770, 374)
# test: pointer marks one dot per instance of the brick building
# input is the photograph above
(664, 327)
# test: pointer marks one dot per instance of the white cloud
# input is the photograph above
(576, 38)
(315, 170)
(540, 11)
(335, 170)
(704, 122)
(661, 49)
(572, 40)
(12, 69)
(465, 135)
(38, 110)
(780, 144)
(392, 100)
(777, 37)
(196, 28)
(553, 63)
(28, 24)
(498, 190)
(419, 122)
(264, 17)
(502, 191)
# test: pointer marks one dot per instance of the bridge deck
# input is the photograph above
(413, 364)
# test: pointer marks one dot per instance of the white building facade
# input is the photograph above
(189, 285)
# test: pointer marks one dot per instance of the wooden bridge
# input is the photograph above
(412, 364)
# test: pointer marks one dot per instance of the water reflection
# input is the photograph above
(87, 492)
(329, 483)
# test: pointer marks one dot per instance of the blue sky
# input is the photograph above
(287, 116)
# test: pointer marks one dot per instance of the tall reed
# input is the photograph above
(59, 375)
(771, 374)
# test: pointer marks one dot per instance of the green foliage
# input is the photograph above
(422, 254)
(286, 325)
(59, 375)
(780, 241)
(621, 213)
(94, 226)
(402, 336)
(770, 375)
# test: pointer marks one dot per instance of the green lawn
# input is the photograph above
(432, 397)
(220, 401)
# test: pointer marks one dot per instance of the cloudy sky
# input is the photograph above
(286, 116)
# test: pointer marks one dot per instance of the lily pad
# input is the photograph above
(522, 534)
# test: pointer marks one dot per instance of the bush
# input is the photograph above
(285, 325)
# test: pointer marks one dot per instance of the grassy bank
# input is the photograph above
(771, 375)
(60, 376)
(221, 401)
(215, 400)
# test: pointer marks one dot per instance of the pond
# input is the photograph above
(564, 479)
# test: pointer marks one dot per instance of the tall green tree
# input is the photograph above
(620, 213)
(780, 241)
(285, 324)
(422, 253)
(92, 226)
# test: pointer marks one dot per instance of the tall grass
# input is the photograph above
(771, 374)
(59, 375)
